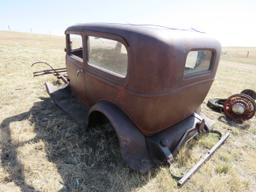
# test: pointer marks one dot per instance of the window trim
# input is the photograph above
(68, 47)
(199, 73)
(99, 73)
(102, 68)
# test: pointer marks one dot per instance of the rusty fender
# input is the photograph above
(131, 140)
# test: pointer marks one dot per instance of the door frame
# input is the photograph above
(77, 64)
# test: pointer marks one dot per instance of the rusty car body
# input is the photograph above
(147, 81)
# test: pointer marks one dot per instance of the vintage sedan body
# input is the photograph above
(151, 85)
(148, 81)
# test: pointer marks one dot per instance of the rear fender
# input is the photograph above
(131, 140)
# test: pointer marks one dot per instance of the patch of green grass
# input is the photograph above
(222, 168)
(208, 140)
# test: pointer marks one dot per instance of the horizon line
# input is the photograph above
(62, 35)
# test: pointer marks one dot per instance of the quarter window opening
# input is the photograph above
(76, 46)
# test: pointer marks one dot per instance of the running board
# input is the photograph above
(63, 98)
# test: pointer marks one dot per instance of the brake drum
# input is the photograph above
(239, 107)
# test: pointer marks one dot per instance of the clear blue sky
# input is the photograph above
(233, 22)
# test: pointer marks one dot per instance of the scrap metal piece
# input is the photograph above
(191, 134)
(49, 71)
(216, 104)
(56, 72)
(239, 107)
(249, 92)
(188, 175)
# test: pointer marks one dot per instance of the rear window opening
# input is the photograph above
(198, 61)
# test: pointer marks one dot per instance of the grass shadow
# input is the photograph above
(87, 160)
(9, 159)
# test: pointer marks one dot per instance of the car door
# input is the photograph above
(107, 66)
(75, 62)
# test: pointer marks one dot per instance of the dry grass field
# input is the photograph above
(240, 54)
(41, 149)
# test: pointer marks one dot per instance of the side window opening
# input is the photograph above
(107, 55)
(76, 45)
(198, 61)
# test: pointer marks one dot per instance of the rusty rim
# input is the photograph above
(239, 107)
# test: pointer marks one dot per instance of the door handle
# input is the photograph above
(79, 71)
